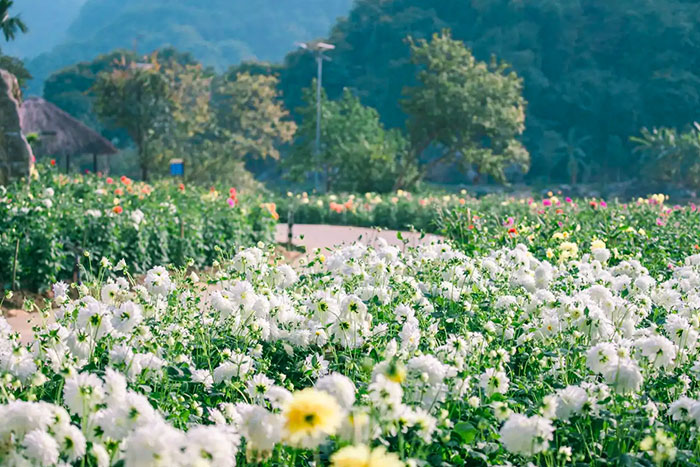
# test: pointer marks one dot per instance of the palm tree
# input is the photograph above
(10, 24)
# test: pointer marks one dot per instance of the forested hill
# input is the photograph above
(595, 71)
(218, 32)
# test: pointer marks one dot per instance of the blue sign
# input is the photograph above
(177, 167)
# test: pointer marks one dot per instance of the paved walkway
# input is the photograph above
(314, 236)
(308, 235)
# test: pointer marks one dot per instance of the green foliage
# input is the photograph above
(16, 67)
(470, 111)
(59, 217)
(357, 153)
(248, 109)
(597, 71)
(671, 156)
(138, 98)
(10, 25)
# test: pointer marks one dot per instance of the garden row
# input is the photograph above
(650, 227)
(552, 354)
(60, 223)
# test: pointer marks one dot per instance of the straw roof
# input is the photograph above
(59, 133)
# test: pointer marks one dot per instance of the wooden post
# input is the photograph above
(94, 163)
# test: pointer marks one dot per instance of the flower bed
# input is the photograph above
(398, 211)
(46, 228)
(366, 357)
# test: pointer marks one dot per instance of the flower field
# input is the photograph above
(556, 349)
(46, 228)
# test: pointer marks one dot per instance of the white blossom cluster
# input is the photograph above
(415, 345)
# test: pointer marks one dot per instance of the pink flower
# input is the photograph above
(547, 202)
(660, 221)
(509, 222)
(568, 200)
(603, 204)
(231, 202)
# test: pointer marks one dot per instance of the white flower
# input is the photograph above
(493, 381)
(526, 436)
(570, 401)
(41, 447)
(624, 376)
(211, 446)
(82, 392)
(156, 444)
(340, 387)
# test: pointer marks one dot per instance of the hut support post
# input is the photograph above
(94, 163)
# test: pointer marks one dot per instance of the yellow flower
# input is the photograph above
(597, 244)
(568, 250)
(549, 253)
(310, 416)
(395, 371)
(361, 456)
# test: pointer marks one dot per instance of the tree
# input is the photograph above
(248, 108)
(603, 69)
(10, 25)
(668, 155)
(16, 67)
(467, 111)
(136, 97)
(357, 154)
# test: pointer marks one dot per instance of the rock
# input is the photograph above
(16, 156)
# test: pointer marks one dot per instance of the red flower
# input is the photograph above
(109, 180)
(181, 187)
(512, 231)
(593, 204)
(53, 162)
(117, 209)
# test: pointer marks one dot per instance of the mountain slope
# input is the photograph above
(217, 32)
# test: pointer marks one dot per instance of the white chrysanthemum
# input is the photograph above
(40, 447)
(570, 401)
(658, 350)
(258, 386)
(214, 446)
(154, 445)
(526, 436)
(127, 317)
(158, 281)
(340, 387)
(601, 355)
(82, 392)
(261, 429)
(493, 381)
(624, 376)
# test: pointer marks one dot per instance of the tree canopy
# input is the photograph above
(594, 72)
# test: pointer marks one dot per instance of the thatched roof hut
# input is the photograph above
(60, 134)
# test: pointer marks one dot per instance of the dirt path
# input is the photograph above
(307, 235)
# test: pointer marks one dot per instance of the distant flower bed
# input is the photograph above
(552, 225)
(60, 219)
(399, 211)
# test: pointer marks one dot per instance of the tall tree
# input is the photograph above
(358, 153)
(136, 97)
(10, 25)
(468, 112)
(249, 109)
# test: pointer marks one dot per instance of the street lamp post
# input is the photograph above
(317, 48)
